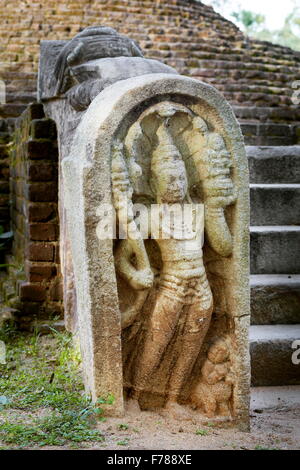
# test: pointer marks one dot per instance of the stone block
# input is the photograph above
(40, 212)
(41, 150)
(32, 292)
(40, 251)
(41, 192)
(38, 272)
(41, 172)
(43, 232)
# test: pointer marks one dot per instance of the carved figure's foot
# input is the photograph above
(132, 406)
(176, 411)
(224, 409)
(210, 413)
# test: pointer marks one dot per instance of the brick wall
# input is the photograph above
(5, 144)
(185, 34)
(34, 287)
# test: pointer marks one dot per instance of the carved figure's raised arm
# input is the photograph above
(137, 273)
(213, 164)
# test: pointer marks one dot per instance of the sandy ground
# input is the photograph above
(276, 429)
(270, 429)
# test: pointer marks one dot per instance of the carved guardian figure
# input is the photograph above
(182, 291)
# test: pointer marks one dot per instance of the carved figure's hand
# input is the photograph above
(214, 171)
(219, 193)
(141, 279)
(230, 377)
(139, 274)
(218, 374)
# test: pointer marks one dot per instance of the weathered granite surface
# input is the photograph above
(87, 175)
(162, 319)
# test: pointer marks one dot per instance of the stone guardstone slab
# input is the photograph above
(156, 204)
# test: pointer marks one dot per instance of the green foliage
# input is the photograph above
(8, 332)
(43, 373)
(254, 24)
(56, 429)
(288, 35)
(249, 19)
(26, 377)
(125, 442)
(201, 432)
(5, 238)
(123, 427)
(210, 425)
(108, 400)
(258, 447)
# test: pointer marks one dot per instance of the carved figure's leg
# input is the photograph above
(224, 408)
(196, 326)
(210, 405)
(160, 330)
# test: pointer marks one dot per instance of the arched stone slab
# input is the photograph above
(88, 184)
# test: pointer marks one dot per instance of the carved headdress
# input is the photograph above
(166, 152)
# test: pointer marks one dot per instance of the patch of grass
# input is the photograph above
(8, 331)
(258, 447)
(201, 432)
(41, 379)
(56, 429)
(125, 442)
(123, 427)
(210, 425)
(39, 375)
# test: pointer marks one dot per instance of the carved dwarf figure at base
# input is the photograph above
(214, 390)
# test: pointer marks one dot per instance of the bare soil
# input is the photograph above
(277, 429)
(271, 429)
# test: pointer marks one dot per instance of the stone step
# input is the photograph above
(256, 133)
(269, 164)
(266, 398)
(275, 204)
(267, 114)
(275, 299)
(275, 250)
(46, 328)
(272, 355)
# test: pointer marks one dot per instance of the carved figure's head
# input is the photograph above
(218, 352)
(168, 174)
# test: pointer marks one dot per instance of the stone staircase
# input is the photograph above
(275, 262)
